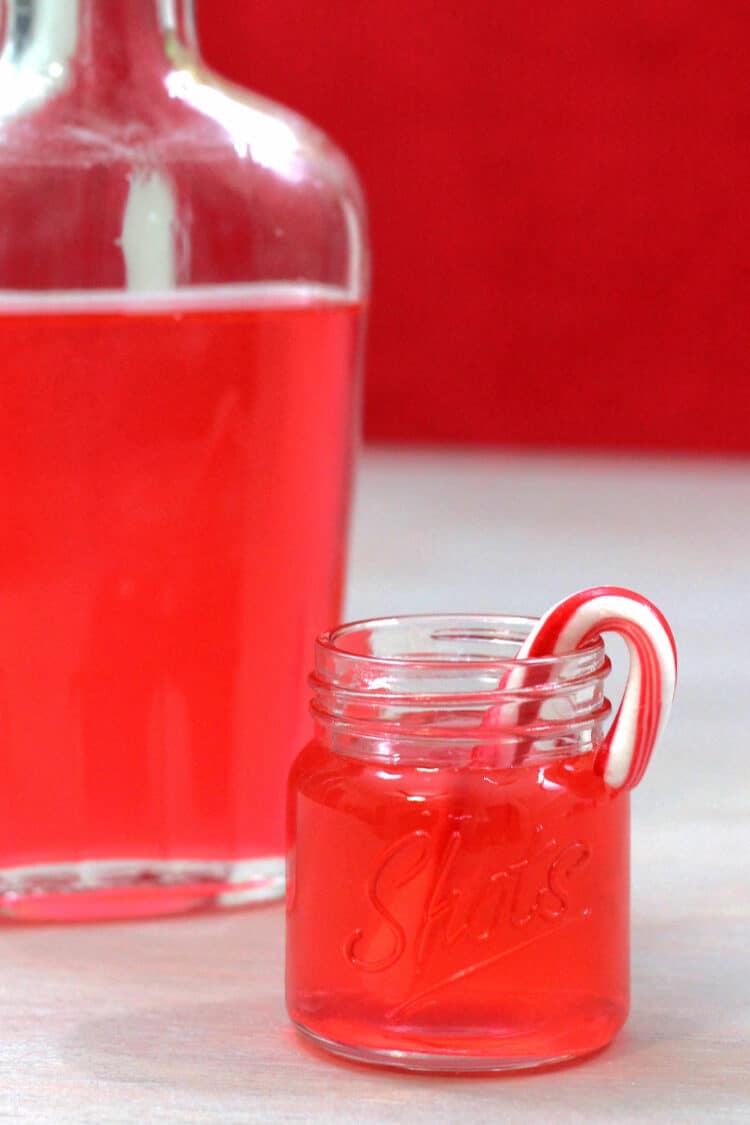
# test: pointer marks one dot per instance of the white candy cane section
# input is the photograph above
(649, 690)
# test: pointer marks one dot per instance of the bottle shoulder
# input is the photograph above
(188, 112)
(194, 179)
(273, 132)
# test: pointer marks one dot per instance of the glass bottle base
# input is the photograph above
(437, 1063)
(135, 888)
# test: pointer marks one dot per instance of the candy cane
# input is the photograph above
(647, 699)
(649, 690)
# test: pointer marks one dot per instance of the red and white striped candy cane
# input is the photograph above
(649, 690)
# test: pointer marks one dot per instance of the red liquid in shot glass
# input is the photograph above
(174, 502)
(469, 914)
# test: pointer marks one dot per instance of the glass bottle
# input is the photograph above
(183, 270)
(458, 894)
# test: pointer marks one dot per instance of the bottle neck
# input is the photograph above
(115, 36)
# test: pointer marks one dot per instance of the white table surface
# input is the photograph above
(183, 1020)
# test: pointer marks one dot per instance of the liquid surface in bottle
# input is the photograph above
(457, 917)
(173, 514)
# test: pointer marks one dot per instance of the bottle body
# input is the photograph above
(182, 285)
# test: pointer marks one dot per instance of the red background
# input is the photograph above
(559, 207)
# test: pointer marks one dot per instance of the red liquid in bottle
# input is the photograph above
(173, 510)
(450, 914)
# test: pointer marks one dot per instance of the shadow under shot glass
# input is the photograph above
(458, 893)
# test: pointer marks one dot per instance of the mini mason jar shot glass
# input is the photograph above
(458, 865)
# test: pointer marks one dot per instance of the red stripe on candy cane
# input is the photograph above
(647, 699)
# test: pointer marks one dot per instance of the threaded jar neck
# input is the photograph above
(448, 688)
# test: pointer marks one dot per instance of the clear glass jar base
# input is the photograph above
(424, 1061)
(108, 890)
